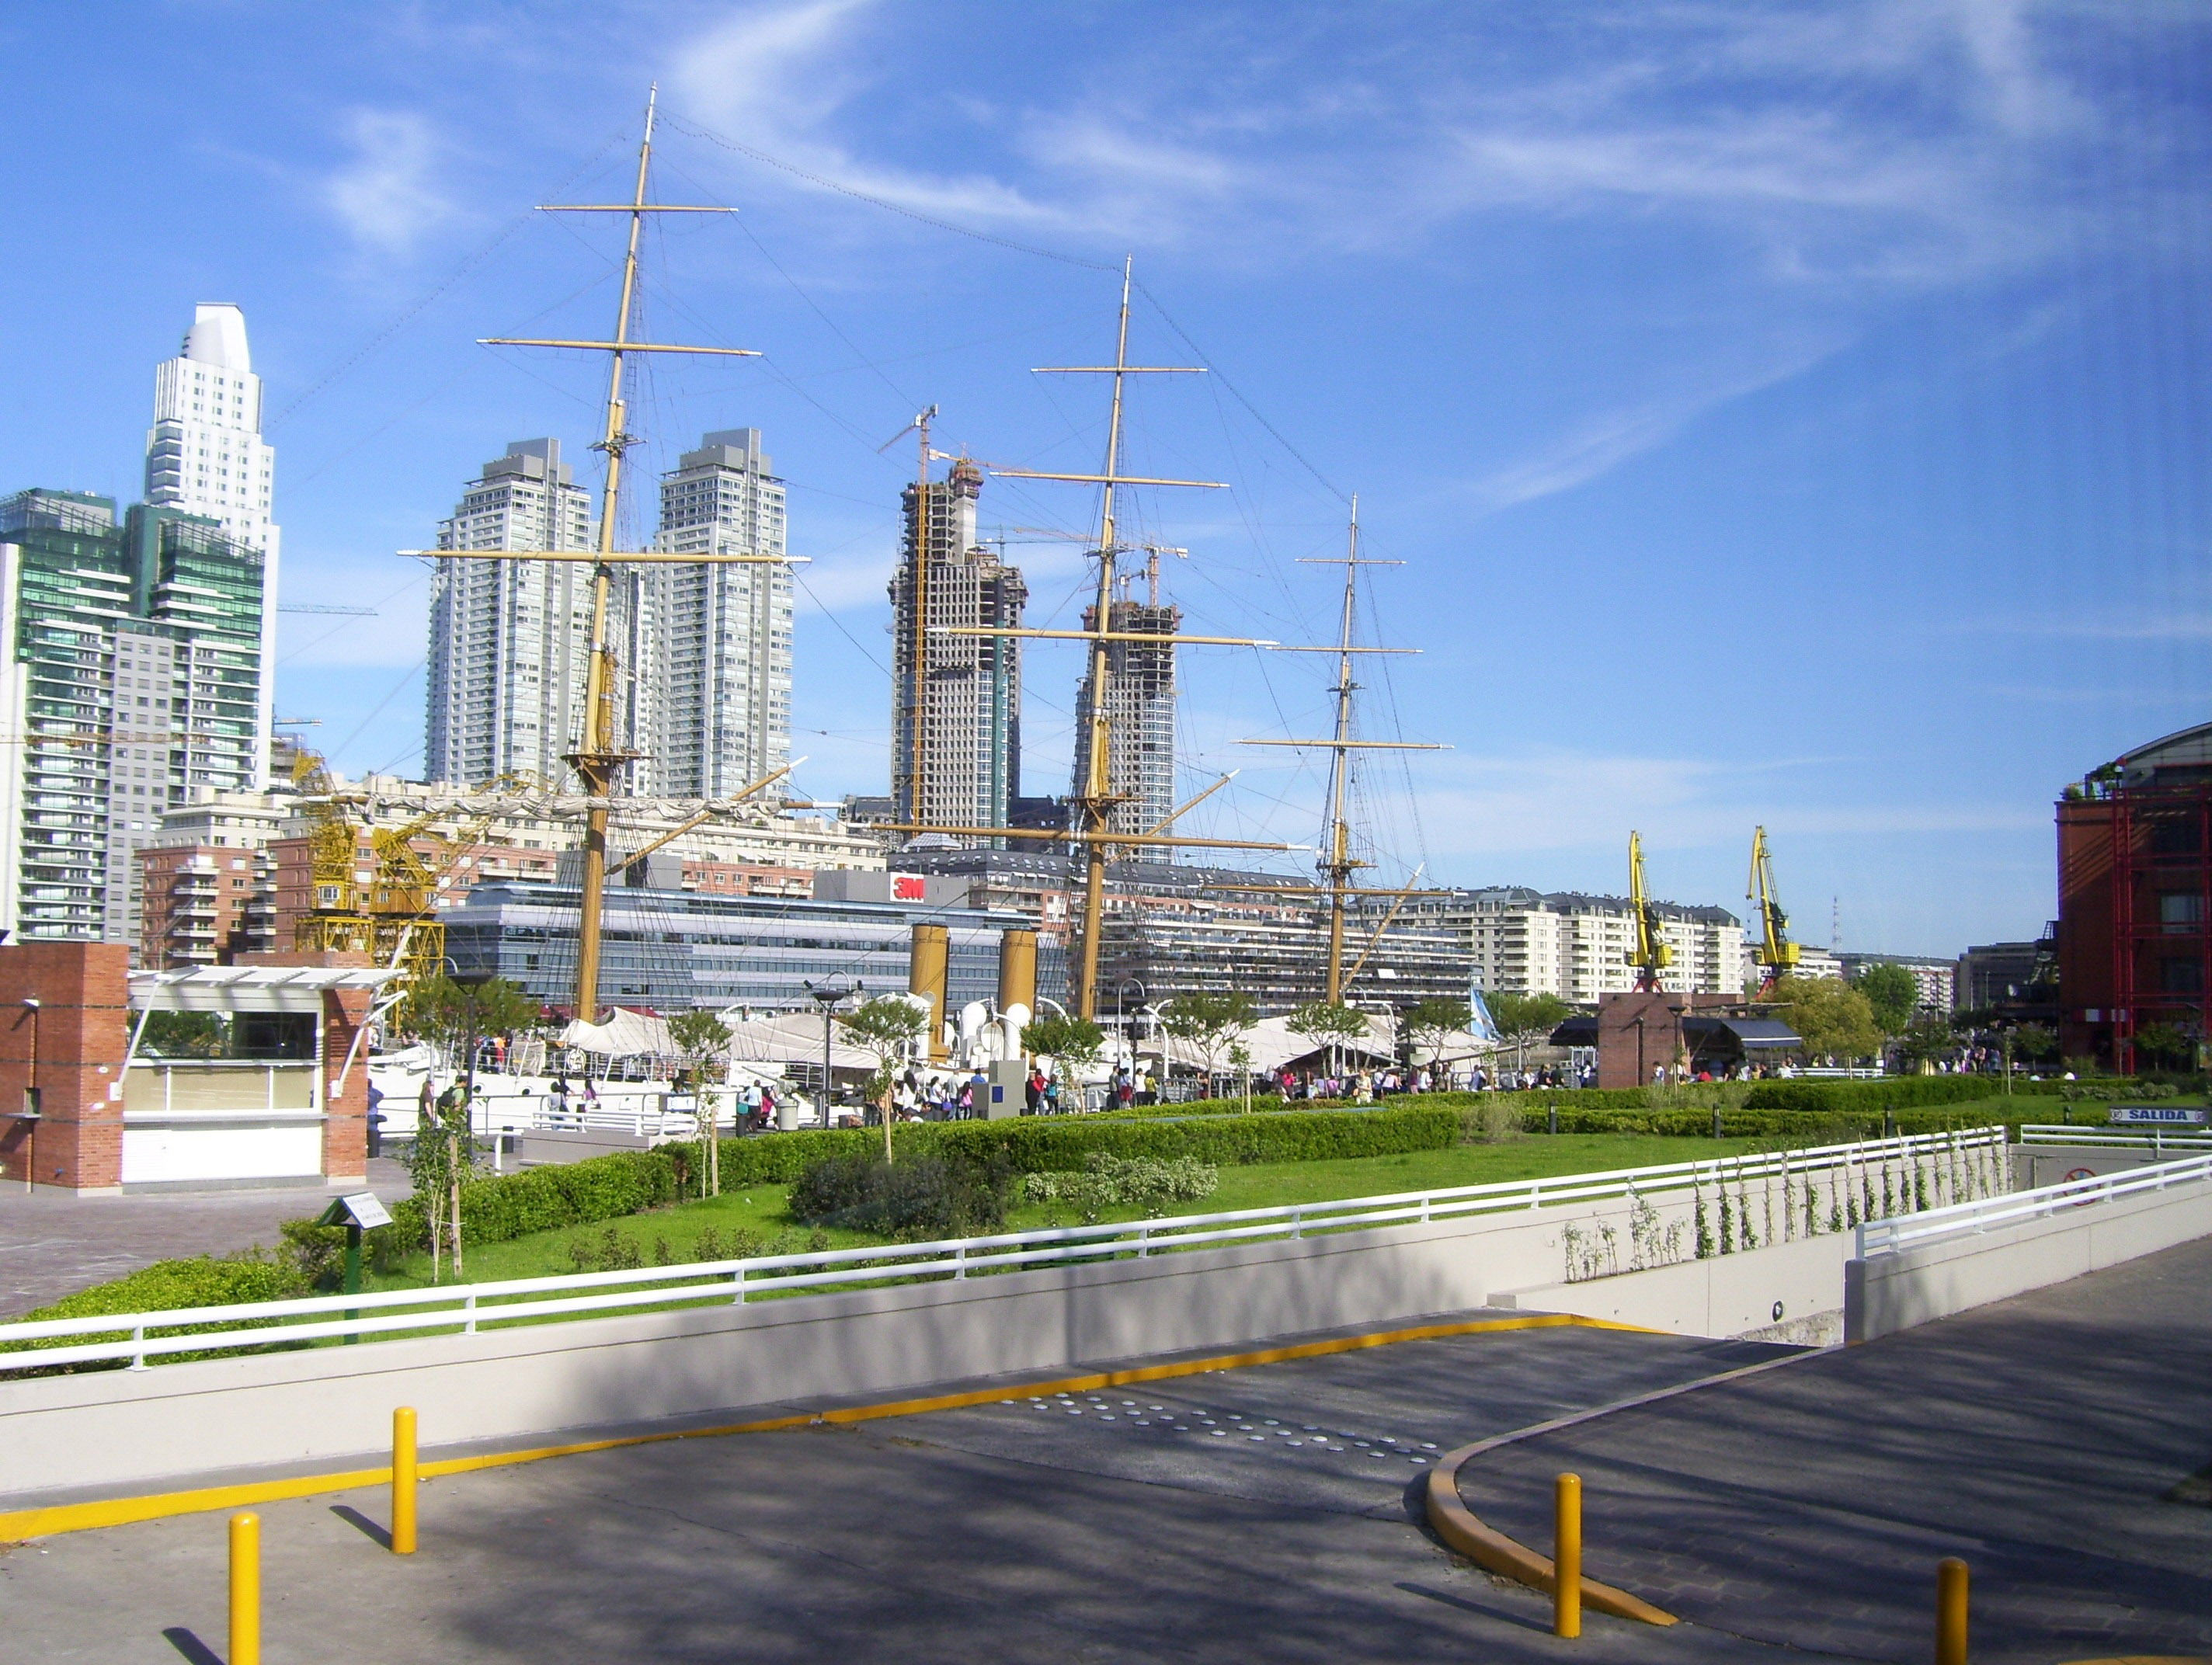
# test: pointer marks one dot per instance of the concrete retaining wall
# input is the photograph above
(1722, 1295)
(1893, 1292)
(119, 1430)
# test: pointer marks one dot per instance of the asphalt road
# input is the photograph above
(1274, 1513)
(1268, 1512)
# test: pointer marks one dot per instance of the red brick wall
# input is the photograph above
(82, 1032)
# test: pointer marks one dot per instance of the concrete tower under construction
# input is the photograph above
(1140, 700)
(957, 725)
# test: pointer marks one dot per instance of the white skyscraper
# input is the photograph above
(204, 455)
(510, 639)
(712, 667)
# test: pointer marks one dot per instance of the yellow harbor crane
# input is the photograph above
(1652, 954)
(392, 915)
(1776, 953)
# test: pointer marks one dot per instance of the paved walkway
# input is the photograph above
(2036, 1439)
(53, 1243)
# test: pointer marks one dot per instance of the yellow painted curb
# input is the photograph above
(1458, 1526)
(57, 1518)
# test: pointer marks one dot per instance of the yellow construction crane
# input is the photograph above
(1652, 954)
(1776, 953)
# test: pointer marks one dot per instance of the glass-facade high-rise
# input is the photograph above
(136, 670)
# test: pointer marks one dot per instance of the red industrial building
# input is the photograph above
(2135, 873)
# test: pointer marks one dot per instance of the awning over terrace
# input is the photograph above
(249, 987)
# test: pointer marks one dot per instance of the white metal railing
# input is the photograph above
(463, 1307)
(2181, 1138)
(1890, 1236)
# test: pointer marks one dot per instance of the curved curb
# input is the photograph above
(55, 1518)
(1458, 1526)
(1492, 1550)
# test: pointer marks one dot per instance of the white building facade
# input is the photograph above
(205, 455)
(712, 692)
(510, 640)
(1579, 947)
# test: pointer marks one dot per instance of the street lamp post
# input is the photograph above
(1120, 1023)
(827, 995)
(31, 1109)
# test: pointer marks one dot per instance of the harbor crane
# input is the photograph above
(1652, 954)
(1777, 954)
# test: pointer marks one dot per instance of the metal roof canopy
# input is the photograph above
(1753, 1034)
(249, 987)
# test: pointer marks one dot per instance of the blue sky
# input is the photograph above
(1787, 414)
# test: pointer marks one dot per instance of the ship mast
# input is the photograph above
(599, 754)
(1337, 864)
(1096, 798)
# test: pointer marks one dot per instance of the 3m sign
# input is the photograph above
(908, 887)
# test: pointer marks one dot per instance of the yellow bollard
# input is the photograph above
(1567, 1555)
(402, 1480)
(245, 1589)
(1951, 1612)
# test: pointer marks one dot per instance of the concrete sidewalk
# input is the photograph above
(2037, 1439)
(54, 1242)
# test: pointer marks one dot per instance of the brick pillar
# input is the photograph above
(82, 1032)
(345, 1109)
(1619, 1064)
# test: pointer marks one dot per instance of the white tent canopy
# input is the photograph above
(624, 1034)
(790, 1038)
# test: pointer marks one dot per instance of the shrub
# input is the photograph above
(1108, 1182)
(495, 1207)
(204, 1280)
(925, 1196)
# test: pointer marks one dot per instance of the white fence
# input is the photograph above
(1972, 1159)
(2129, 1139)
(1892, 1236)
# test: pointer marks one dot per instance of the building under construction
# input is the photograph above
(1141, 705)
(2135, 878)
(957, 726)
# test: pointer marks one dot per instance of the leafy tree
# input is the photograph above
(1832, 1018)
(1074, 1042)
(2164, 1045)
(1928, 1036)
(1210, 1022)
(1894, 993)
(701, 1037)
(888, 1026)
(1431, 1022)
(1526, 1020)
(2035, 1043)
(1328, 1025)
(449, 1013)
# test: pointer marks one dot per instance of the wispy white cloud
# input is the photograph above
(391, 195)
(1602, 442)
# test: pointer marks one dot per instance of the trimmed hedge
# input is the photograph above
(504, 1205)
(202, 1281)
(1894, 1092)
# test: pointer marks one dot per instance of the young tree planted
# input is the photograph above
(886, 1027)
(1210, 1024)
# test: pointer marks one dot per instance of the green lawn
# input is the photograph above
(674, 1235)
